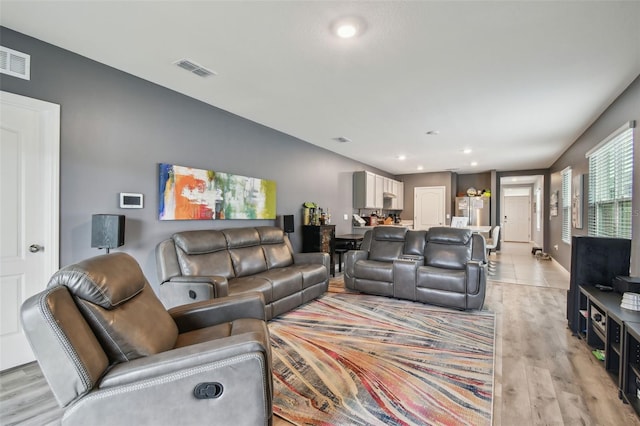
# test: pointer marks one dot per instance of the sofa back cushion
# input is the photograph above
(119, 305)
(203, 253)
(414, 243)
(245, 251)
(277, 253)
(387, 243)
(448, 248)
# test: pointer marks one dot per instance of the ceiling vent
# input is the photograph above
(195, 68)
(15, 63)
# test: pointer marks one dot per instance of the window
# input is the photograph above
(610, 185)
(566, 205)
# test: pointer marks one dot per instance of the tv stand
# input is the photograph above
(604, 325)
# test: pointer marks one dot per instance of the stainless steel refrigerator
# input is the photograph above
(477, 209)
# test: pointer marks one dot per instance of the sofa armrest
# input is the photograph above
(313, 258)
(405, 276)
(216, 311)
(350, 259)
(186, 289)
(185, 358)
(159, 389)
(476, 276)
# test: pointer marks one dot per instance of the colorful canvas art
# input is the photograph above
(197, 194)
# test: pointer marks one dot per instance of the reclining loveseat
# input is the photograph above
(201, 265)
(442, 266)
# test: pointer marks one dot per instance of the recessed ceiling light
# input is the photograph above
(474, 163)
(348, 27)
(401, 157)
(433, 132)
(342, 139)
(346, 31)
(420, 168)
(467, 151)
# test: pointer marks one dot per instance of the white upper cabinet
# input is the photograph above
(369, 191)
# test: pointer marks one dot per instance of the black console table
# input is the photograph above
(615, 330)
(317, 238)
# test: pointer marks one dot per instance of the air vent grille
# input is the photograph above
(14, 63)
(194, 67)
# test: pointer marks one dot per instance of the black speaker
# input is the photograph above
(107, 231)
(287, 223)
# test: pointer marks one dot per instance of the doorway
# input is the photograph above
(29, 187)
(429, 207)
(516, 223)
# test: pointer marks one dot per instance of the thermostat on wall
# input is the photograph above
(129, 200)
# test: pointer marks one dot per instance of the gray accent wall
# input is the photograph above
(117, 128)
(623, 109)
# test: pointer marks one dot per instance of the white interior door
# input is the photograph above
(429, 207)
(517, 218)
(29, 189)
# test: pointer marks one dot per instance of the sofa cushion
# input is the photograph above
(285, 281)
(374, 270)
(245, 250)
(414, 243)
(209, 264)
(103, 281)
(448, 248)
(100, 286)
(200, 242)
(312, 273)
(203, 253)
(252, 283)
(447, 235)
(441, 279)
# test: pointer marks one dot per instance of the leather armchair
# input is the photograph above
(113, 354)
(371, 269)
(454, 270)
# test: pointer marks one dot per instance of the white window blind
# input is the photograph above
(566, 205)
(610, 185)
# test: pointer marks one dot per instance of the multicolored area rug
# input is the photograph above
(352, 359)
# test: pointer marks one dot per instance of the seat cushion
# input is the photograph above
(441, 279)
(252, 283)
(312, 274)
(373, 270)
(284, 281)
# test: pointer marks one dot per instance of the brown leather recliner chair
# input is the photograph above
(112, 354)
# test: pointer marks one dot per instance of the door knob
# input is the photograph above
(34, 248)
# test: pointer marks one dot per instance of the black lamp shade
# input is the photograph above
(107, 230)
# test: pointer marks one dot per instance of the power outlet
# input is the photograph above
(346, 216)
(556, 247)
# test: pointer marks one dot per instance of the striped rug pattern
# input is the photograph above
(351, 359)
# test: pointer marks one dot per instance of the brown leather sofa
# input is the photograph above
(443, 266)
(113, 355)
(201, 265)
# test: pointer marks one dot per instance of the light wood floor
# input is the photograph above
(543, 374)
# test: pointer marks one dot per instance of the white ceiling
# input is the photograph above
(517, 82)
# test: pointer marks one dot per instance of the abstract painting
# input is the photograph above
(197, 194)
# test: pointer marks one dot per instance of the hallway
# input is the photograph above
(515, 264)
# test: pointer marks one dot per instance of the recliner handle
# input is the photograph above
(208, 390)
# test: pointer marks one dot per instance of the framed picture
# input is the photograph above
(553, 204)
(186, 193)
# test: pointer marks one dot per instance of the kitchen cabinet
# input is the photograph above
(369, 190)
